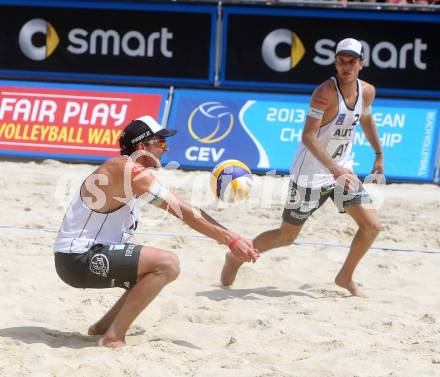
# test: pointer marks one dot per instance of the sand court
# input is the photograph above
(283, 316)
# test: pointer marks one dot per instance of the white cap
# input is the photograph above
(350, 46)
(140, 129)
(151, 123)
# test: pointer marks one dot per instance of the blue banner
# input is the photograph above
(264, 130)
(408, 131)
(215, 126)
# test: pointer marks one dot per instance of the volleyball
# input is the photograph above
(231, 181)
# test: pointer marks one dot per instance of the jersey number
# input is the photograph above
(340, 150)
(134, 226)
(356, 119)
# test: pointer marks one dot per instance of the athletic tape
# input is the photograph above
(315, 113)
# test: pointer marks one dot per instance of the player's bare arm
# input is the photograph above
(323, 107)
(145, 184)
(369, 127)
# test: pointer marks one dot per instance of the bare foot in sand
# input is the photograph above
(111, 340)
(350, 286)
(230, 269)
(96, 330)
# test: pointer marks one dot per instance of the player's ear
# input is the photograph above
(139, 147)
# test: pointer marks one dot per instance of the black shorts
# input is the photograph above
(102, 266)
(302, 202)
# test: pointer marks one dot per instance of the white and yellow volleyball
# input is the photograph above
(231, 181)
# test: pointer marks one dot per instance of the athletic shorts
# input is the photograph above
(302, 202)
(102, 266)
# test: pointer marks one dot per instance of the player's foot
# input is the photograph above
(350, 286)
(96, 330)
(230, 269)
(111, 340)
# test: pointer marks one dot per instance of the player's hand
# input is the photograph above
(378, 166)
(346, 178)
(244, 251)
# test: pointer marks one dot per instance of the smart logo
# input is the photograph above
(382, 54)
(270, 44)
(208, 123)
(27, 36)
(110, 42)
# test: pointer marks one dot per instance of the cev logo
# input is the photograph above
(210, 122)
(275, 38)
(26, 36)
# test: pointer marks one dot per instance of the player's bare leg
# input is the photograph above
(282, 236)
(369, 227)
(100, 327)
(230, 269)
(157, 268)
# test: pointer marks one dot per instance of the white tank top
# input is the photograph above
(337, 137)
(83, 227)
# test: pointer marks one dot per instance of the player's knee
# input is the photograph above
(377, 227)
(373, 227)
(170, 266)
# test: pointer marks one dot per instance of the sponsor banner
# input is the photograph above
(78, 122)
(283, 48)
(105, 42)
(264, 130)
(408, 131)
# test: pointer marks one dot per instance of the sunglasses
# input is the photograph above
(161, 142)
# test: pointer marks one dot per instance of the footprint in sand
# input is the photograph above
(324, 291)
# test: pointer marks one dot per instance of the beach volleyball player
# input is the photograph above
(91, 249)
(322, 167)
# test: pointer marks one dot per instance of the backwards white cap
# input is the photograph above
(142, 128)
(350, 46)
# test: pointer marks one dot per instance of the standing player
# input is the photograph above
(91, 249)
(322, 167)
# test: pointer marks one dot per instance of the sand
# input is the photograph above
(283, 316)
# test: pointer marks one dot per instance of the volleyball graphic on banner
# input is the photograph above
(231, 181)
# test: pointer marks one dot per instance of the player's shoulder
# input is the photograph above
(368, 90)
(324, 96)
(122, 169)
(117, 167)
(116, 164)
(327, 88)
